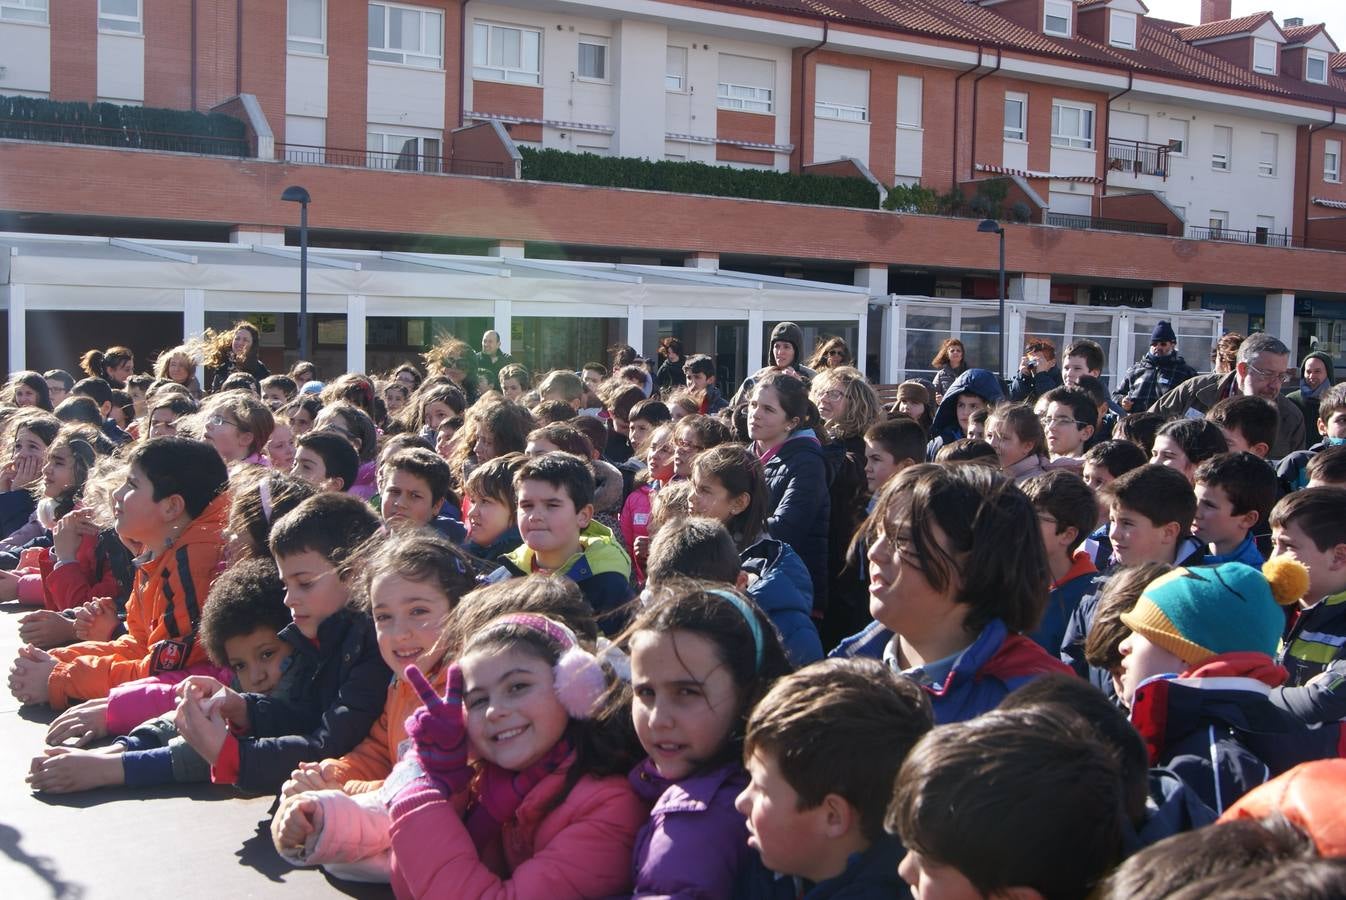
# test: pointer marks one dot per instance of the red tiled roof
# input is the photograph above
(1337, 62)
(1300, 33)
(1161, 48)
(1223, 28)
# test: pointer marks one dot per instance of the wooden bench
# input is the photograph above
(887, 394)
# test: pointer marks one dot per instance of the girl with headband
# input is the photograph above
(701, 658)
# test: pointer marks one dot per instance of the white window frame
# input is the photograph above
(1222, 162)
(1131, 27)
(1020, 133)
(1267, 168)
(675, 82)
(904, 118)
(401, 56)
(1056, 9)
(520, 74)
(1218, 222)
(1261, 46)
(744, 97)
(29, 12)
(1079, 140)
(398, 140)
(120, 23)
(594, 40)
(1332, 162)
(1311, 57)
(841, 112)
(303, 43)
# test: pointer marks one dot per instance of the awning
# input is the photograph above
(1027, 173)
(1330, 204)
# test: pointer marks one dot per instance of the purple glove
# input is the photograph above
(437, 732)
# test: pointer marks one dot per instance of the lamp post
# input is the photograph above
(991, 226)
(296, 194)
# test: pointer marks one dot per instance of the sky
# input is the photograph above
(1331, 12)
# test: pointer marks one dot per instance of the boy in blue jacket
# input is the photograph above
(1234, 496)
(1066, 509)
(973, 390)
(823, 748)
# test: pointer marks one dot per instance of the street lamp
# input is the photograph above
(296, 194)
(991, 226)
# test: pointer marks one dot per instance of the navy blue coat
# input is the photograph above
(944, 427)
(16, 508)
(340, 684)
(785, 593)
(799, 505)
(871, 875)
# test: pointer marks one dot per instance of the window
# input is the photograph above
(119, 15)
(1177, 137)
(1016, 117)
(1122, 29)
(1221, 148)
(593, 62)
(1072, 126)
(1266, 224)
(1315, 67)
(306, 27)
(1332, 161)
(24, 11)
(909, 100)
(746, 83)
(406, 35)
(506, 53)
(1219, 221)
(403, 152)
(1266, 159)
(675, 70)
(1056, 17)
(841, 94)
(1264, 56)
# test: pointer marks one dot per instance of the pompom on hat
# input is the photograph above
(579, 677)
(1207, 611)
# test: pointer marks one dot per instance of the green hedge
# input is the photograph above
(696, 178)
(110, 125)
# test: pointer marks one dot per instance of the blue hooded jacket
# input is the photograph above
(785, 592)
(799, 504)
(944, 427)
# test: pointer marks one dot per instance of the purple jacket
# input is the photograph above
(695, 842)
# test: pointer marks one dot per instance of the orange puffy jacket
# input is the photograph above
(365, 768)
(161, 617)
(1309, 796)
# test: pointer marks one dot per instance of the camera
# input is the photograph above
(1032, 362)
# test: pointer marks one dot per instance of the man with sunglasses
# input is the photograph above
(1263, 368)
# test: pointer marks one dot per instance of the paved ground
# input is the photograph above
(205, 841)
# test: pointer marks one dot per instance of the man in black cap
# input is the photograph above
(1158, 372)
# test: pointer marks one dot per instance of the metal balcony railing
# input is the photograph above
(1093, 223)
(1138, 157)
(1262, 236)
(389, 161)
(65, 133)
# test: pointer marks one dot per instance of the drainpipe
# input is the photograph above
(972, 163)
(1107, 130)
(1308, 166)
(957, 94)
(803, 84)
(462, 63)
(238, 47)
(195, 63)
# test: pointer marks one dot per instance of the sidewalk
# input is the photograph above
(202, 841)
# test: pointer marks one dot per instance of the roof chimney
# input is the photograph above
(1296, 22)
(1215, 10)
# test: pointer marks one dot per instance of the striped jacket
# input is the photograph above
(161, 617)
(1314, 638)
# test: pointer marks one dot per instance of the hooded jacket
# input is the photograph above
(794, 336)
(781, 586)
(1197, 395)
(1151, 378)
(1216, 727)
(1315, 638)
(944, 427)
(1293, 471)
(799, 505)
(1308, 400)
(161, 617)
(996, 663)
(1171, 808)
(1027, 388)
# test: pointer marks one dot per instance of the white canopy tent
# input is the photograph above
(70, 274)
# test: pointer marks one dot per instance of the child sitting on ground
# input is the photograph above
(701, 657)
(1066, 513)
(955, 580)
(256, 741)
(173, 503)
(1015, 803)
(555, 500)
(823, 749)
(1234, 496)
(239, 626)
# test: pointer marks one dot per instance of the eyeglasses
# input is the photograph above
(835, 352)
(688, 445)
(217, 421)
(1282, 377)
(831, 396)
(1063, 421)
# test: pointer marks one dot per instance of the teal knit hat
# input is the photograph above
(1205, 611)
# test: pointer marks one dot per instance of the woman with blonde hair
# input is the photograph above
(178, 365)
(454, 359)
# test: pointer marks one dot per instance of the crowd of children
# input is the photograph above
(604, 633)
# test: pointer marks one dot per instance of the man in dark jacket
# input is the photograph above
(492, 359)
(1158, 372)
(1263, 367)
(1316, 377)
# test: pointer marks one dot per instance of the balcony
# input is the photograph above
(1261, 236)
(311, 154)
(1094, 223)
(1138, 157)
(125, 137)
